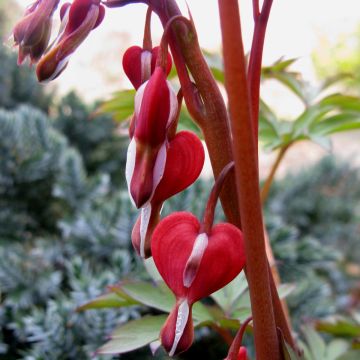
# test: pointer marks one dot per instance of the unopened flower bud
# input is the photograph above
(32, 32)
(139, 64)
(78, 19)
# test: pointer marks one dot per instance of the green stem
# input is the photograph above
(269, 180)
(245, 157)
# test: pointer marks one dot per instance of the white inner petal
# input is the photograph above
(194, 260)
(173, 104)
(181, 321)
(144, 223)
(159, 167)
(130, 165)
(145, 65)
(138, 98)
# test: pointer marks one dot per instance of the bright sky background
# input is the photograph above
(294, 30)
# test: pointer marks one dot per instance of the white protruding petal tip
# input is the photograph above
(181, 321)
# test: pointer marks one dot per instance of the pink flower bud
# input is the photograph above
(78, 19)
(155, 109)
(32, 32)
(139, 64)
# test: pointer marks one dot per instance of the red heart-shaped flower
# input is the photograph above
(139, 64)
(184, 162)
(172, 244)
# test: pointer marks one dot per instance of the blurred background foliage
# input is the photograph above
(66, 220)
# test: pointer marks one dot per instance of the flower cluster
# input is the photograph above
(155, 147)
(161, 163)
(32, 33)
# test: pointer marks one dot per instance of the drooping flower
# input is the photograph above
(156, 107)
(78, 19)
(32, 32)
(193, 264)
(139, 64)
(185, 160)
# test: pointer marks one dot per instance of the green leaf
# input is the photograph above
(285, 290)
(344, 102)
(339, 327)
(336, 348)
(307, 118)
(201, 314)
(279, 65)
(350, 355)
(110, 300)
(227, 297)
(134, 335)
(147, 294)
(120, 106)
(315, 342)
(336, 123)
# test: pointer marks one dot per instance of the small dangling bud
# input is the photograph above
(79, 18)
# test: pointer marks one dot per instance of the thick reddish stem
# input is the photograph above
(256, 53)
(245, 157)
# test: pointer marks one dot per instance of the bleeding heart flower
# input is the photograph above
(185, 160)
(156, 108)
(78, 19)
(194, 264)
(139, 64)
(32, 32)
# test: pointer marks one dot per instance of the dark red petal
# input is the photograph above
(78, 12)
(132, 65)
(167, 334)
(223, 260)
(154, 113)
(171, 246)
(148, 169)
(155, 52)
(185, 160)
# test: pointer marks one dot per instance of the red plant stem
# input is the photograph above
(208, 219)
(245, 157)
(147, 42)
(236, 344)
(256, 53)
(256, 9)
